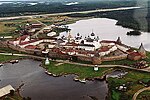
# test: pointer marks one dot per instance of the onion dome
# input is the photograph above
(92, 34)
(97, 37)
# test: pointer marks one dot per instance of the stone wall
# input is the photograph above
(84, 58)
(134, 57)
(96, 60)
(58, 56)
(112, 58)
(28, 51)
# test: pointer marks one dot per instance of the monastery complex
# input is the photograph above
(90, 48)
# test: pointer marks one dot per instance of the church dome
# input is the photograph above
(92, 34)
(78, 34)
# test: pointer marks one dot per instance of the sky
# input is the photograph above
(46, 0)
(65, 0)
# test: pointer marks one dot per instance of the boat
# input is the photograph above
(1, 64)
(48, 73)
(14, 61)
(75, 79)
(54, 75)
(83, 81)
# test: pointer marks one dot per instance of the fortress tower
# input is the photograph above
(142, 50)
(69, 36)
(119, 41)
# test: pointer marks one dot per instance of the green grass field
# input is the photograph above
(144, 95)
(81, 71)
(4, 58)
(131, 79)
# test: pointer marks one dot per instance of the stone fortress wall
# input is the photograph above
(51, 54)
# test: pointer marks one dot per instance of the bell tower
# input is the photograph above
(119, 40)
(142, 50)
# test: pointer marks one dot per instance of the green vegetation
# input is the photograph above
(5, 58)
(6, 31)
(58, 7)
(7, 50)
(119, 62)
(15, 96)
(81, 71)
(7, 28)
(132, 82)
(134, 33)
(137, 19)
(115, 95)
(144, 96)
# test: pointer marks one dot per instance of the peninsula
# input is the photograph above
(88, 57)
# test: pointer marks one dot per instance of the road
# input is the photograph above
(81, 12)
(41, 31)
(140, 91)
(76, 63)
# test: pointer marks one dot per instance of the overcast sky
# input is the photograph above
(18, 0)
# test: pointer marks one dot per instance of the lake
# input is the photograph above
(40, 86)
(107, 29)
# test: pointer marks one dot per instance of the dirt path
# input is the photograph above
(80, 64)
(140, 91)
(59, 64)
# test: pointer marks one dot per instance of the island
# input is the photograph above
(89, 58)
(134, 33)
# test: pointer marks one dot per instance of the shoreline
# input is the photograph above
(67, 13)
(82, 80)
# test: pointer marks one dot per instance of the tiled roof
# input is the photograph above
(22, 38)
(31, 47)
(6, 90)
(23, 43)
(103, 49)
(135, 54)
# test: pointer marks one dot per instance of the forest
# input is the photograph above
(137, 19)
(24, 8)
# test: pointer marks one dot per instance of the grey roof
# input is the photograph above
(88, 45)
(92, 34)
(118, 40)
(6, 90)
(141, 48)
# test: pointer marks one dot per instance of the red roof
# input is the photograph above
(130, 50)
(135, 54)
(31, 47)
(103, 49)
(27, 42)
(22, 38)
